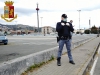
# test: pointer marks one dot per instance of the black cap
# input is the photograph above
(64, 16)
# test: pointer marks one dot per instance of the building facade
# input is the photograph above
(80, 31)
(48, 30)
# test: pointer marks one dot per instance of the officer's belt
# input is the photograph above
(64, 37)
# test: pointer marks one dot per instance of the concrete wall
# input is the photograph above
(19, 65)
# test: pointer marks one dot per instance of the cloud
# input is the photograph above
(8, 0)
(2, 0)
(51, 11)
(96, 7)
(29, 7)
(25, 11)
(2, 21)
(1, 10)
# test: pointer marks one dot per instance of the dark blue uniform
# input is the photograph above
(64, 30)
(65, 36)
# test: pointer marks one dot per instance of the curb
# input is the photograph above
(91, 61)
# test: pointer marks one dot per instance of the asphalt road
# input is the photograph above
(23, 45)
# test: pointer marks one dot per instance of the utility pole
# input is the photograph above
(37, 17)
(79, 19)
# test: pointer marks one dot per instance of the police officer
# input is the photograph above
(64, 28)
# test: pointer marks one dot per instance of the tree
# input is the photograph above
(0, 29)
(35, 30)
(87, 31)
(94, 30)
(5, 32)
(99, 29)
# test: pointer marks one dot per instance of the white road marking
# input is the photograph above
(94, 64)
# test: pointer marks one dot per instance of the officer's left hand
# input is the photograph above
(74, 26)
(67, 24)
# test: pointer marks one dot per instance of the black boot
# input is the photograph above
(72, 62)
(59, 61)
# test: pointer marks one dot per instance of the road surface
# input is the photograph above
(22, 45)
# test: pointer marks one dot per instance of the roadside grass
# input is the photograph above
(36, 66)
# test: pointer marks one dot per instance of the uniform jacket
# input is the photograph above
(64, 30)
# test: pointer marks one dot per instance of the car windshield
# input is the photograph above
(1, 34)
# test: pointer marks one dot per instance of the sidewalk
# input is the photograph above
(81, 56)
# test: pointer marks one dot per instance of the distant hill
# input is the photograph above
(18, 27)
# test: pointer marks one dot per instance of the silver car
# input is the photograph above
(3, 39)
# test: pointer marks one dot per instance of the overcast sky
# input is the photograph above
(51, 11)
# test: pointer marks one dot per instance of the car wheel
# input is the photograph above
(5, 43)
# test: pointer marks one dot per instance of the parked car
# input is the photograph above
(3, 39)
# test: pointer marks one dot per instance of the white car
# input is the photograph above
(3, 39)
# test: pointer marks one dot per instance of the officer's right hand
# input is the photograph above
(74, 26)
(62, 24)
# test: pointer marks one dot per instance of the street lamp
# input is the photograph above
(37, 17)
(41, 21)
(90, 25)
(79, 19)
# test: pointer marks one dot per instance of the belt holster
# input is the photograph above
(64, 38)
